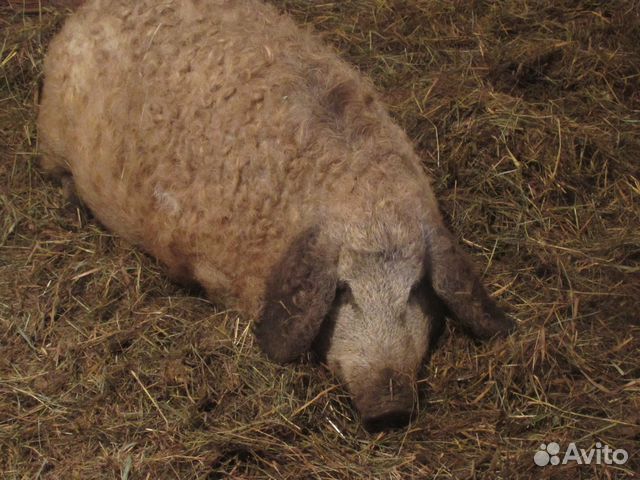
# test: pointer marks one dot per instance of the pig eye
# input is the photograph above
(417, 287)
(343, 289)
(345, 295)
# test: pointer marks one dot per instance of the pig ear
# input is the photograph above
(455, 282)
(299, 294)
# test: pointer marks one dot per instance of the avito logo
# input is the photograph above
(549, 453)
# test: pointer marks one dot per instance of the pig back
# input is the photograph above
(181, 128)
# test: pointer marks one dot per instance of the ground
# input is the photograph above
(527, 114)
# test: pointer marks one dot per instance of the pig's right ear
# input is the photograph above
(299, 294)
(453, 279)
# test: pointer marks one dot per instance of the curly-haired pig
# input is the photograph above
(248, 157)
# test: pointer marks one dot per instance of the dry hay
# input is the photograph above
(527, 112)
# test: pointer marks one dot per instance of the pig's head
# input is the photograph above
(370, 300)
(378, 331)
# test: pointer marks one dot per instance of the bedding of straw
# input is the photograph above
(527, 113)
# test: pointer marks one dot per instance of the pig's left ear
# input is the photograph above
(299, 294)
(453, 279)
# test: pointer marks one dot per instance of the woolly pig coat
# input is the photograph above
(214, 135)
(248, 158)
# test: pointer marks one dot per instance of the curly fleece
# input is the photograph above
(213, 133)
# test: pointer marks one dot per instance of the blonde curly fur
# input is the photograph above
(247, 157)
(206, 133)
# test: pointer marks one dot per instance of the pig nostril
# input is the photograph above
(387, 420)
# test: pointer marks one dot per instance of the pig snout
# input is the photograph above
(387, 402)
(387, 420)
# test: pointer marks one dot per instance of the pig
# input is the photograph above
(246, 156)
